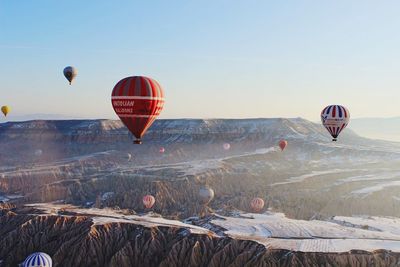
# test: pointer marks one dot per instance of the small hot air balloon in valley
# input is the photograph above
(206, 194)
(161, 150)
(283, 144)
(257, 204)
(5, 110)
(70, 73)
(38, 152)
(335, 118)
(148, 201)
(137, 101)
(38, 259)
(128, 156)
(226, 146)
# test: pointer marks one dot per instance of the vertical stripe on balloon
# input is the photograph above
(329, 109)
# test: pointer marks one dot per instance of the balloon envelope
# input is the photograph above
(335, 118)
(206, 194)
(70, 73)
(283, 144)
(38, 259)
(227, 146)
(5, 110)
(128, 156)
(257, 204)
(161, 150)
(137, 101)
(38, 152)
(148, 201)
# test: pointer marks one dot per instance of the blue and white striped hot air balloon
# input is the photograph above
(38, 259)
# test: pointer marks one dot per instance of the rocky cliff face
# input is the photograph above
(84, 240)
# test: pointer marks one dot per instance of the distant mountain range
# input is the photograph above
(377, 128)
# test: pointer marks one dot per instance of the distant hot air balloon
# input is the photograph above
(257, 204)
(148, 201)
(137, 101)
(161, 150)
(206, 194)
(70, 73)
(335, 118)
(38, 152)
(128, 156)
(283, 144)
(227, 146)
(5, 110)
(38, 259)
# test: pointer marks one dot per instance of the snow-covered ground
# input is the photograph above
(383, 224)
(376, 188)
(6, 198)
(104, 216)
(274, 230)
(301, 178)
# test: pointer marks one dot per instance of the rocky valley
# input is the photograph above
(91, 180)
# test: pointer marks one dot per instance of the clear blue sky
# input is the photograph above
(214, 58)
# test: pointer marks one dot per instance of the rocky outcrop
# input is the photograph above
(78, 241)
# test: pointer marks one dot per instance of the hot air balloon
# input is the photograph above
(38, 259)
(128, 156)
(161, 150)
(283, 144)
(5, 110)
(227, 146)
(137, 101)
(335, 118)
(257, 204)
(148, 201)
(70, 73)
(38, 152)
(206, 194)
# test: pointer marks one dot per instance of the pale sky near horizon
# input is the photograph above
(214, 59)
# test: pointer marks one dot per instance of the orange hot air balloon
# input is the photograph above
(148, 201)
(257, 204)
(283, 144)
(138, 101)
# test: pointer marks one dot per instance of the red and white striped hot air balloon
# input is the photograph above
(161, 150)
(148, 201)
(283, 144)
(138, 101)
(257, 204)
(335, 118)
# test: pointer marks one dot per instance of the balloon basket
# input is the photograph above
(137, 142)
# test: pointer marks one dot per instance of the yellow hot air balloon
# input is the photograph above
(5, 110)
